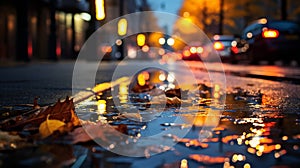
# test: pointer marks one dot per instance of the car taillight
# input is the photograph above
(186, 53)
(235, 49)
(218, 45)
(270, 33)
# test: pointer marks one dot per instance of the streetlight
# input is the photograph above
(100, 12)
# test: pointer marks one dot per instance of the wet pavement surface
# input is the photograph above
(249, 132)
(253, 123)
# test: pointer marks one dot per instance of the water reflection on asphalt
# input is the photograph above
(252, 131)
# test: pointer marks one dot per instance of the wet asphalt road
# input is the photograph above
(51, 81)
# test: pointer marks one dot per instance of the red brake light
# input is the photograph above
(218, 45)
(270, 33)
(235, 49)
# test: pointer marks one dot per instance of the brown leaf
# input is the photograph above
(63, 111)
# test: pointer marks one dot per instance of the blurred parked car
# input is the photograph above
(220, 47)
(192, 52)
(272, 40)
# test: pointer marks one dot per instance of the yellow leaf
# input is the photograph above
(49, 126)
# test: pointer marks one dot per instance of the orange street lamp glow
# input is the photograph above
(122, 27)
(100, 12)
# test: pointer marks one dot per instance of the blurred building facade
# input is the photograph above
(50, 29)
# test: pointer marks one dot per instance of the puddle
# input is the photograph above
(247, 129)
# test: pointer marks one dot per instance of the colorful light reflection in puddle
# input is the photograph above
(123, 93)
(101, 106)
